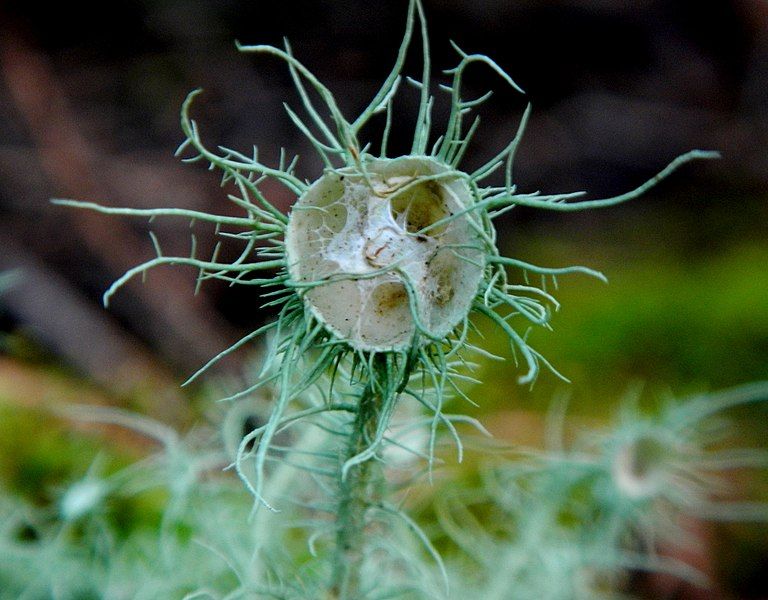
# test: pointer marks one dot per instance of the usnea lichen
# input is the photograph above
(574, 520)
(380, 257)
(380, 266)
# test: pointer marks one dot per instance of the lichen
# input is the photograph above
(376, 275)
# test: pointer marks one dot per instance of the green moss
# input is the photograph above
(37, 453)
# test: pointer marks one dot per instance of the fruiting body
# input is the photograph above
(380, 251)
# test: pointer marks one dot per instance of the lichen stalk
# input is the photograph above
(360, 488)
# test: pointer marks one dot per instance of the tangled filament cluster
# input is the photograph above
(383, 261)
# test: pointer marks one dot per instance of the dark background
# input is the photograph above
(89, 101)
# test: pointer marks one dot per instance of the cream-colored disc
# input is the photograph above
(383, 255)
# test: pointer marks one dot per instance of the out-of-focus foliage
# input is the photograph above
(573, 520)
(667, 318)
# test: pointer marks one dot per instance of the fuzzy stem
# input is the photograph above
(358, 491)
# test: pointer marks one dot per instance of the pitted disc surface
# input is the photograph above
(373, 258)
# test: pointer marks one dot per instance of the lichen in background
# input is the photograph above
(576, 519)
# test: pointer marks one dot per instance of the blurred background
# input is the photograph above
(89, 102)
